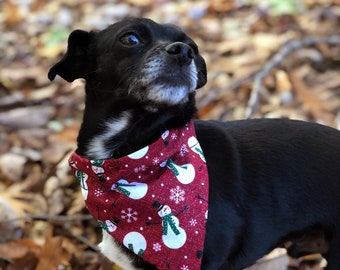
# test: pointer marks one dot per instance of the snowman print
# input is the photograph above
(108, 225)
(97, 168)
(173, 235)
(139, 153)
(185, 173)
(195, 146)
(135, 242)
(82, 178)
(133, 190)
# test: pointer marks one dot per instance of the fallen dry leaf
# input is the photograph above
(12, 166)
(18, 202)
(311, 97)
(13, 14)
(51, 255)
(27, 117)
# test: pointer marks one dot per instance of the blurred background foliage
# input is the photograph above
(265, 58)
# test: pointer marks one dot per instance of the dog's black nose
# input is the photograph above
(181, 51)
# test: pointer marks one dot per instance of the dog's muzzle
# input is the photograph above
(168, 74)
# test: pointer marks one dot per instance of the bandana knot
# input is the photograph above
(153, 201)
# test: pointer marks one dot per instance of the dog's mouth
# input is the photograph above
(179, 76)
(162, 81)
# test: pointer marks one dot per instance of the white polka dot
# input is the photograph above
(151, 171)
(126, 165)
(162, 185)
(106, 200)
(153, 195)
(185, 257)
(149, 218)
(196, 232)
(146, 157)
(141, 228)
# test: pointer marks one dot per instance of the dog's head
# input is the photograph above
(137, 58)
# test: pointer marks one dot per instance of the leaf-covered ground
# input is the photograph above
(266, 58)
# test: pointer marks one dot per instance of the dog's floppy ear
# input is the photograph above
(76, 63)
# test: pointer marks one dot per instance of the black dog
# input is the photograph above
(272, 182)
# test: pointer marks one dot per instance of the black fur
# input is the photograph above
(272, 182)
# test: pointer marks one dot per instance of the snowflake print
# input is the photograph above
(183, 150)
(157, 247)
(129, 215)
(177, 194)
(155, 161)
(185, 267)
(98, 192)
(193, 222)
(173, 136)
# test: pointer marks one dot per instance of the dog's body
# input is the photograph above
(272, 182)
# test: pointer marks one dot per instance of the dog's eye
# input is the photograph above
(129, 40)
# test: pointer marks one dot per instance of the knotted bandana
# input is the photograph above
(154, 201)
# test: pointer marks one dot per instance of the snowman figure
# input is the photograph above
(173, 235)
(139, 153)
(97, 168)
(195, 146)
(135, 242)
(82, 178)
(133, 190)
(185, 174)
(108, 225)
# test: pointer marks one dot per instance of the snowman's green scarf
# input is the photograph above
(154, 201)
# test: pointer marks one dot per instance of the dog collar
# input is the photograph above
(153, 201)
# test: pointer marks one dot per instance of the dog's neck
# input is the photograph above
(122, 126)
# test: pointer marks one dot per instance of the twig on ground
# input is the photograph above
(47, 217)
(80, 238)
(276, 60)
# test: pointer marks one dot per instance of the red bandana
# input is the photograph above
(154, 201)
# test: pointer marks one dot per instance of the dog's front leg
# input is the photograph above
(113, 250)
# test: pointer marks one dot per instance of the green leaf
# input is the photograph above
(55, 36)
(279, 7)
